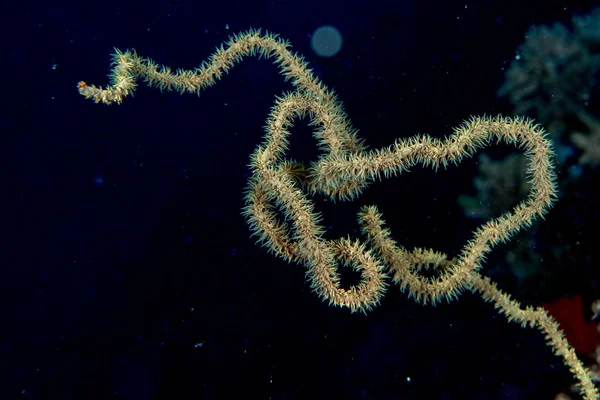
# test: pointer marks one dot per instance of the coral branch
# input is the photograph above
(343, 170)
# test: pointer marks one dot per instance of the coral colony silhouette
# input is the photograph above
(279, 187)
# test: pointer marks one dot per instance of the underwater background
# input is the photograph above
(128, 270)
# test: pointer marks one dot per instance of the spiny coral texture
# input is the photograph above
(282, 216)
